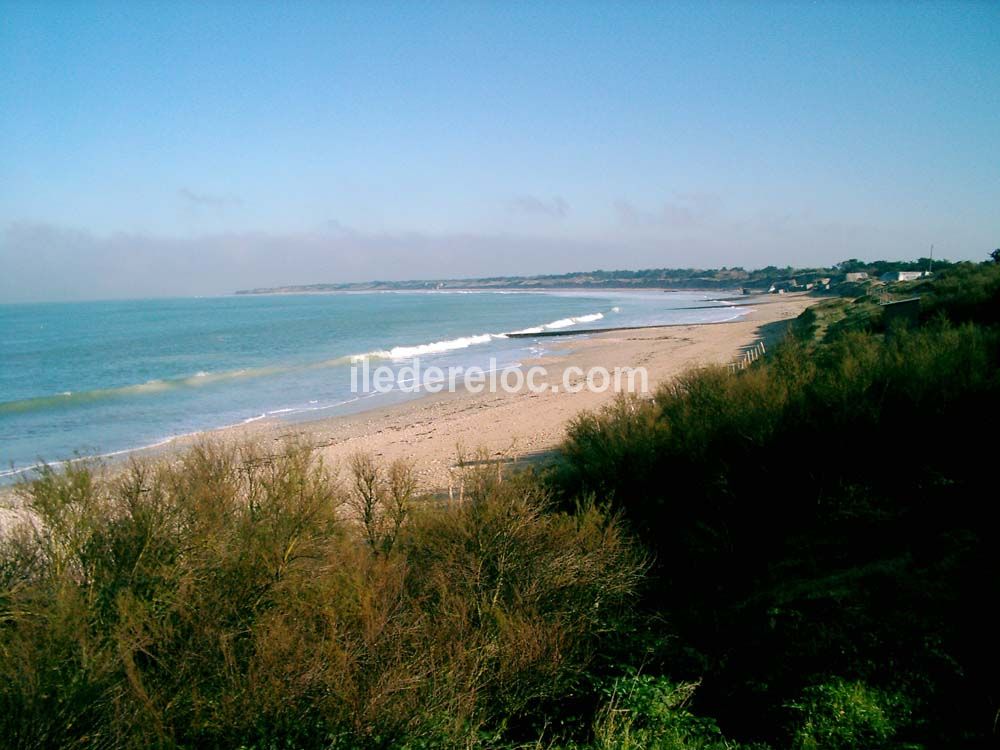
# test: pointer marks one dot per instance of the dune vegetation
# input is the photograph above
(797, 555)
(821, 525)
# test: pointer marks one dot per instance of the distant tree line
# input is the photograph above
(677, 278)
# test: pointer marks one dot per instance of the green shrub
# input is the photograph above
(644, 711)
(820, 513)
(804, 327)
(841, 715)
(965, 292)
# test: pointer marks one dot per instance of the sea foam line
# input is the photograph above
(463, 342)
(19, 470)
(111, 454)
(204, 378)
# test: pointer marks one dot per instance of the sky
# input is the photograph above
(194, 148)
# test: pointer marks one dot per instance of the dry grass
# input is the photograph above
(231, 600)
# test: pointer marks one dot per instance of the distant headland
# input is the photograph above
(755, 281)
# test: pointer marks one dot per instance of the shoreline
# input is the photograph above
(430, 429)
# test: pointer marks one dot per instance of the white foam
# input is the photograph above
(567, 322)
(463, 342)
(56, 464)
(436, 347)
(564, 322)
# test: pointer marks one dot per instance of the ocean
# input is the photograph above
(102, 378)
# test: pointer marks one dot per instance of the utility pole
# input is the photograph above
(930, 261)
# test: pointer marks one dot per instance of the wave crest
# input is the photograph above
(562, 323)
(204, 378)
(436, 347)
(463, 342)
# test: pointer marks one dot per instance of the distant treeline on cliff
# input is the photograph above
(657, 278)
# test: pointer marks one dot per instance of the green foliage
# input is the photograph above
(861, 315)
(820, 514)
(966, 292)
(805, 326)
(644, 711)
(841, 715)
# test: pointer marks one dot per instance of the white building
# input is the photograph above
(902, 276)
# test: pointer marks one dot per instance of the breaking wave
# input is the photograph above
(436, 347)
(203, 378)
(463, 342)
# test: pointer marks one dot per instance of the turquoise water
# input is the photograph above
(95, 378)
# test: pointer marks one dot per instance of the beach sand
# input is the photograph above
(430, 430)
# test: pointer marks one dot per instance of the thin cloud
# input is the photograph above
(684, 211)
(553, 208)
(51, 262)
(335, 228)
(193, 199)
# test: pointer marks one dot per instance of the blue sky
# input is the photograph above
(192, 148)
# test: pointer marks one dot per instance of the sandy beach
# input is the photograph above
(431, 430)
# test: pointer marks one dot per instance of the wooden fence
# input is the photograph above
(748, 357)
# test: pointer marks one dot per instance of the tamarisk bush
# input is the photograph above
(237, 598)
